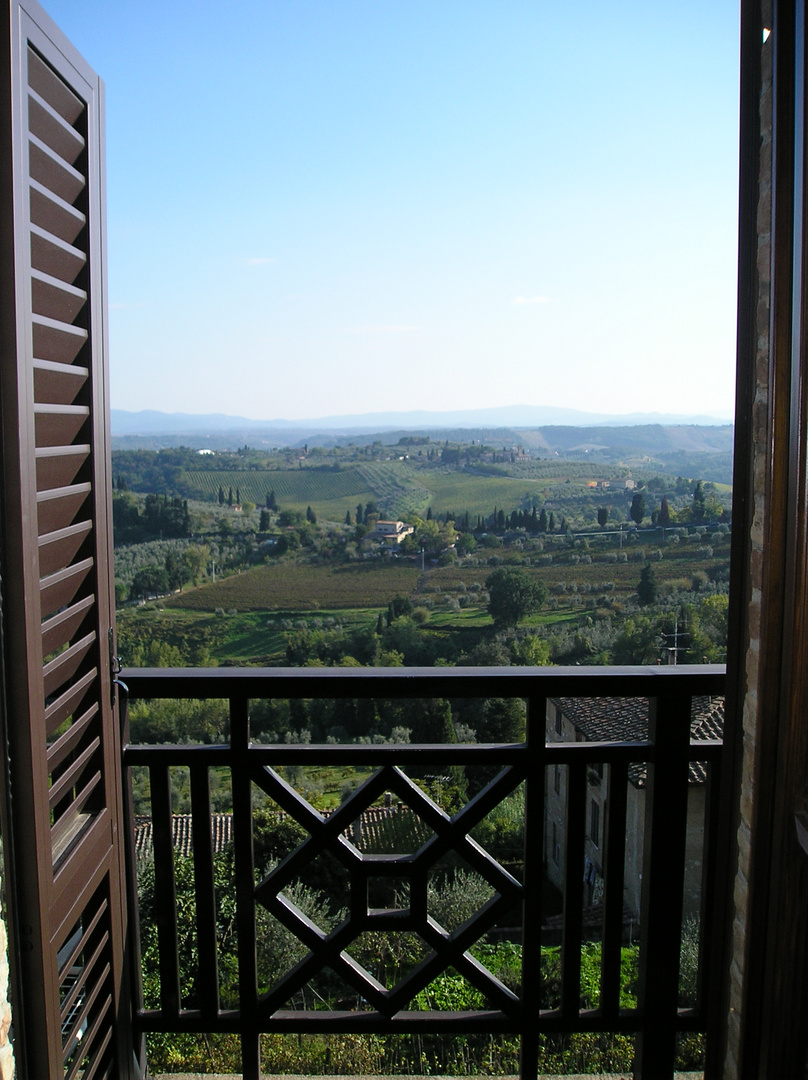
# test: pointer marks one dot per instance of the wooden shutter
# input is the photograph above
(64, 777)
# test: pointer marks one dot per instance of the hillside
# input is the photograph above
(474, 476)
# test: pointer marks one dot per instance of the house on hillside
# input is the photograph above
(620, 720)
(391, 532)
(623, 483)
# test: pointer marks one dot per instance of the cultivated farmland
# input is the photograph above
(330, 492)
(302, 587)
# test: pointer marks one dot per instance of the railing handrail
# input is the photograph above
(457, 682)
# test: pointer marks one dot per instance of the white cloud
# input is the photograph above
(532, 300)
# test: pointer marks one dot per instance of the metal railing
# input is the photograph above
(665, 757)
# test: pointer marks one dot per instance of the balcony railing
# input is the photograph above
(664, 760)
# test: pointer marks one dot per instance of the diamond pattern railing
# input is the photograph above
(447, 949)
(334, 951)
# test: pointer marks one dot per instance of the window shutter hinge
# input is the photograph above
(115, 668)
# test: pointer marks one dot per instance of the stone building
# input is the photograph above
(616, 720)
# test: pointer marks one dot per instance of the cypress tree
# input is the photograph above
(698, 502)
(647, 588)
(638, 509)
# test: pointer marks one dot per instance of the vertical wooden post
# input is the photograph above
(245, 888)
(533, 885)
(663, 885)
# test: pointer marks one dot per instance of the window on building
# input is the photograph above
(557, 779)
(594, 823)
(558, 720)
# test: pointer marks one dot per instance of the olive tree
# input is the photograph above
(513, 594)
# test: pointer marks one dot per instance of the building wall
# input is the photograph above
(597, 791)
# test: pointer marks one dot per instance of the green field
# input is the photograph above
(398, 488)
(330, 493)
(302, 587)
(293, 587)
(479, 494)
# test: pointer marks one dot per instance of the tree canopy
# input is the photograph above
(513, 595)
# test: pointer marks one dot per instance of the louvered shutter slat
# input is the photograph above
(53, 172)
(60, 671)
(70, 702)
(53, 214)
(60, 589)
(64, 746)
(55, 256)
(58, 384)
(86, 971)
(43, 80)
(71, 955)
(58, 508)
(61, 548)
(59, 426)
(54, 298)
(62, 627)
(48, 126)
(71, 775)
(58, 466)
(57, 341)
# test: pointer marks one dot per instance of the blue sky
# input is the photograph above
(342, 206)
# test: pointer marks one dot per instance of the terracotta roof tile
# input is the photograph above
(377, 832)
(626, 720)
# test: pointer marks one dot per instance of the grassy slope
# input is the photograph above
(398, 487)
(329, 493)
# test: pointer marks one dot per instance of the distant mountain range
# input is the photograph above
(153, 423)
